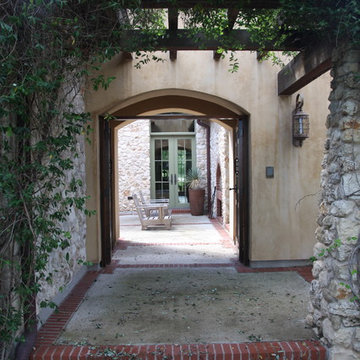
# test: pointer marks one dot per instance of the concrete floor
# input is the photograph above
(209, 304)
(192, 239)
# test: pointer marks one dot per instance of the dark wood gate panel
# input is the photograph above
(106, 198)
(242, 188)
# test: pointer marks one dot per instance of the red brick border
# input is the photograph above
(304, 271)
(58, 320)
(309, 350)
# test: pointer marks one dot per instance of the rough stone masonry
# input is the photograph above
(334, 316)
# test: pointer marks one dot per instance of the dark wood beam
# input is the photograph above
(172, 117)
(232, 15)
(210, 4)
(173, 16)
(303, 69)
(182, 39)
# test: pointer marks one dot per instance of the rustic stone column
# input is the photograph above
(333, 315)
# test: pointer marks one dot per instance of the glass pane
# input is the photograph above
(165, 150)
(158, 191)
(172, 125)
(158, 175)
(165, 194)
(165, 171)
(188, 149)
(157, 149)
(181, 171)
(188, 166)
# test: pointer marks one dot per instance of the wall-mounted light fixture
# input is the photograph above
(300, 122)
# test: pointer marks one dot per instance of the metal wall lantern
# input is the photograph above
(300, 122)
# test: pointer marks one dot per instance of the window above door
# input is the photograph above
(172, 126)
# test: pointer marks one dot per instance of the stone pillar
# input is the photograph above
(336, 318)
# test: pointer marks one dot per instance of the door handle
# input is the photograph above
(175, 181)
(234, 188)
(171, 179)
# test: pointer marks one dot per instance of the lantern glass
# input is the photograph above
(300, 126)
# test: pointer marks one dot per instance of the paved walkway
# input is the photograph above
(181, 294)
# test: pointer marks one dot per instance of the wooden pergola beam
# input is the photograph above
(183, 39)
(232, 15)
(210, 4)
(173, 21)
(303, 69)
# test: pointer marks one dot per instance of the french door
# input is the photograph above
(171, 158)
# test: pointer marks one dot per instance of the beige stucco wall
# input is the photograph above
(282, 226)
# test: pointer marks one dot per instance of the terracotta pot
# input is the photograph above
(196, 199)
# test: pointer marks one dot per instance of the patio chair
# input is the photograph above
(164, 202)
(156, 217)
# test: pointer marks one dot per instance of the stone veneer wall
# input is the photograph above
(219, 155)
(62, 270)
(336, 319)
(133, 162)
(201, 157)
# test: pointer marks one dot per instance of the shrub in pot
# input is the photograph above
(196, 192)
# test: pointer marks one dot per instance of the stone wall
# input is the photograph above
(220, 156)
(334, 316)
(133, 162)
(201, 157)
(62, 270)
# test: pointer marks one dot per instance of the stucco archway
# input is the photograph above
(197, 105)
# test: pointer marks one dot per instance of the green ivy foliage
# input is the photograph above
(323, 20)
(48, 50)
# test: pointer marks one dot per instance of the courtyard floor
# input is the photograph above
(182, 294)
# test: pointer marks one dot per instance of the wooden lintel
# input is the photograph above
(303, 69)
(214, 4)
(172, 117)
(183, 39)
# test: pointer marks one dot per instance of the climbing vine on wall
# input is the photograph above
(49, 49)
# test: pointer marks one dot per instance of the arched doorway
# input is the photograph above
(198, 106)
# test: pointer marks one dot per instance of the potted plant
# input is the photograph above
(196, 192)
